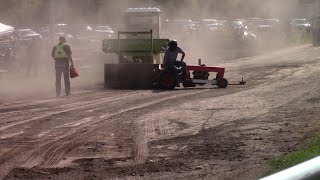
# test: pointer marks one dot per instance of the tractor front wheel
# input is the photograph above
(222, 82)
(167, 80)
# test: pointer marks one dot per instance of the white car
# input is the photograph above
(27, 34)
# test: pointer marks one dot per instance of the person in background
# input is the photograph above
(32, 57)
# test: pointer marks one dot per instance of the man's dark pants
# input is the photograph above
(62, 68)
(172, 65)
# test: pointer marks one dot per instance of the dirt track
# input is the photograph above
(200, 133)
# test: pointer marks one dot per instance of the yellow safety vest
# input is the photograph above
(60, 53)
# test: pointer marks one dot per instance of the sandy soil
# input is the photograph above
(196, 133)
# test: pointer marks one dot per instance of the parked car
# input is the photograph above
(104, 30)
(43, 30)
(180, 27)
(269, 25)
(27, 34)
(264, 28)
(236, 28)
(59, 30)
(206, 25)
(6, 53)
(300, 25)
(7, 43)
(66, 35)
(236, 31)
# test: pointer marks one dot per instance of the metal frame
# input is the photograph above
(200, 81)
(219, 70)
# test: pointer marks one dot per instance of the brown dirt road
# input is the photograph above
(199, 133)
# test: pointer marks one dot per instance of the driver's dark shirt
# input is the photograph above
(171, 56)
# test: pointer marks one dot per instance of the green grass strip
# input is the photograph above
(307, 151)
(301, 38)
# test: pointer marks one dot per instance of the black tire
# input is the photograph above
(222, 82)
(167, 80)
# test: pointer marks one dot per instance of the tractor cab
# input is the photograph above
(139, 49)
(142, 20)
(139, 41)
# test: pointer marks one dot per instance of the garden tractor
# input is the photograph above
(140, 52)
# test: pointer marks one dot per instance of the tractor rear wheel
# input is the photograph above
(222, 82)
(167, 80)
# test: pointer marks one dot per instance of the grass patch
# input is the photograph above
(306, 151)
(301, 38)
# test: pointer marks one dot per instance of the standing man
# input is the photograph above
(61, 53)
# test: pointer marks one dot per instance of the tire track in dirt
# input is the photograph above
(140, 149)
(147, 128)
(91, 128)
(17, 114)
(57, 103)
(66, 108)
(18, 105)
(57, 151)
(103, 123)
(55, 145)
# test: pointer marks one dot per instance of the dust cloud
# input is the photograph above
(215, 46)
(211, 47)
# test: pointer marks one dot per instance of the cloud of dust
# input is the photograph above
(212, 46)
(89, 59)
(33, 72)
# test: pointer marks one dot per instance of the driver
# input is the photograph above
(170, 59)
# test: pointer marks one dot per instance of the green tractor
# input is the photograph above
(139, 49)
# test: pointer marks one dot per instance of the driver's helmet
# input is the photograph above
(173, 45)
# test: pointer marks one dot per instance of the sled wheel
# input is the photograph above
(222, 82)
